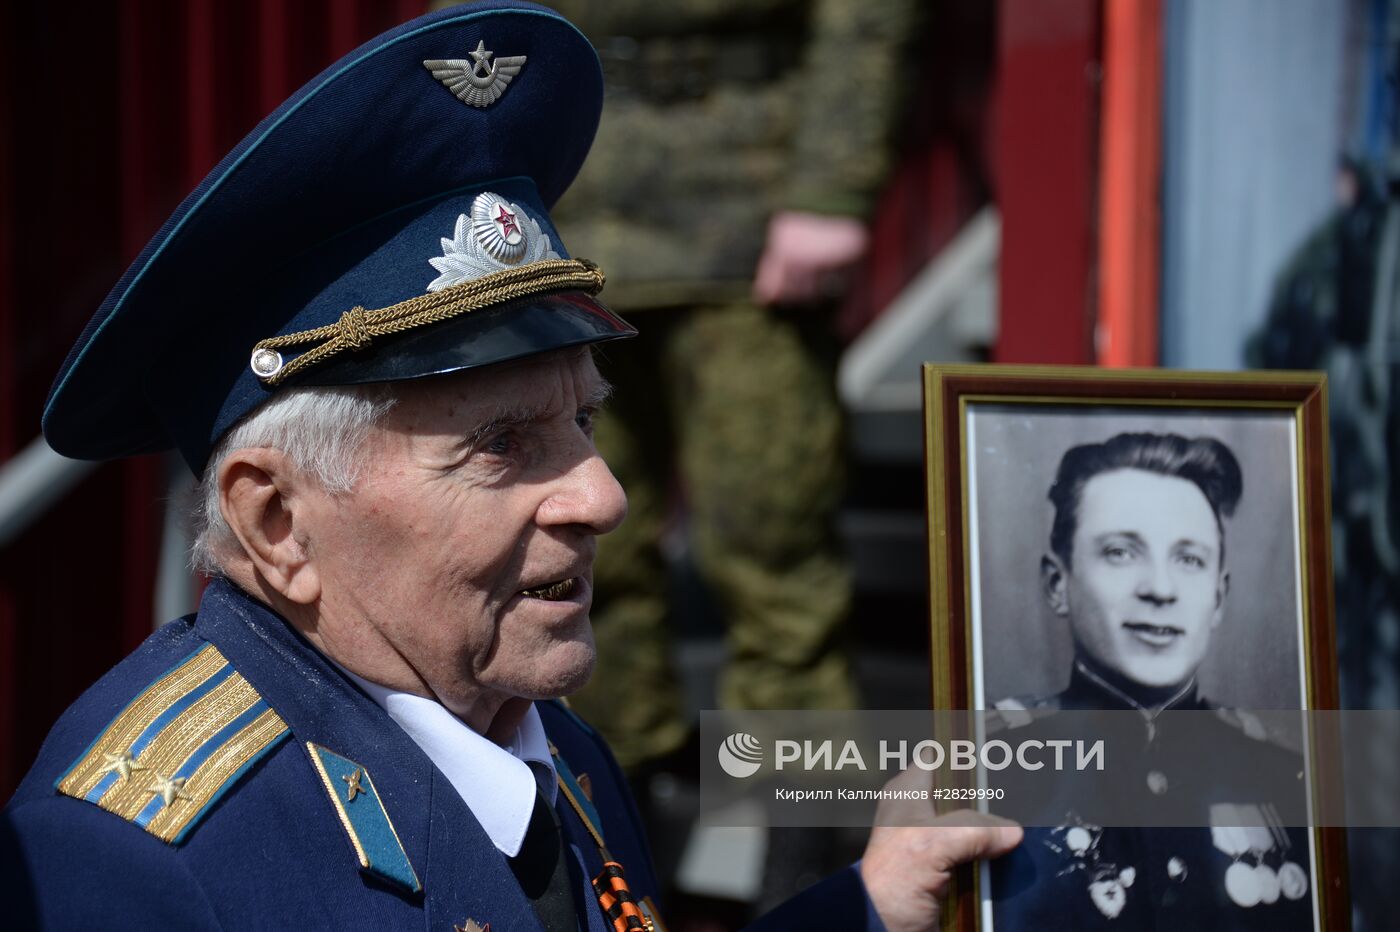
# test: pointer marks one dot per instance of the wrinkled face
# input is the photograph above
(1146, 587)
(465, 550)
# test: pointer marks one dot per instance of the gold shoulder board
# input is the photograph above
(179, 746)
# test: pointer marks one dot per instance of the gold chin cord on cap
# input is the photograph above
(357, 327)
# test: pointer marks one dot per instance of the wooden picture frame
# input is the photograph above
(994, 436)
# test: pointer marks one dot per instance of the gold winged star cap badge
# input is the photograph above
(479, 82)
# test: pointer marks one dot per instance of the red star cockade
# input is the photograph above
(507, 220)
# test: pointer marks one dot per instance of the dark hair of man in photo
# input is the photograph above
(1205, 461)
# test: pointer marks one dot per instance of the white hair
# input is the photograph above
(320, 428)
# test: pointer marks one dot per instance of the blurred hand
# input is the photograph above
(807, 257)
(911, 854)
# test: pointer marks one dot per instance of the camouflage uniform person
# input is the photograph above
(727, 116)
(1326, 312)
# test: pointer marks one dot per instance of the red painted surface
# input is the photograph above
(273, 69)
(1130, 184)
(62, 248)
(202, 113)
(1046, 148)
(89, 169)
(942, 177)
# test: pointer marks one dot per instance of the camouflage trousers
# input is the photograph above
(739, 403)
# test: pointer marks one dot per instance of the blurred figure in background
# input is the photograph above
(1327, 312)
(760, 133)
(1334, 307)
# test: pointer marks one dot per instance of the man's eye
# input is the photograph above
(1194, 560)
(502, 444)
(584, 420)
(1117, 554)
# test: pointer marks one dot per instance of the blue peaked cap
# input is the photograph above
(336, 203)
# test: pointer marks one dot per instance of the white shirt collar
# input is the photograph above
(497, 783)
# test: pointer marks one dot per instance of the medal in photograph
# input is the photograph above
(1269, 885)
(1292, 881)
(1242, 885)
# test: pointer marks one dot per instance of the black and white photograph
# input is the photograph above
(1110, 542)
(1120, 599)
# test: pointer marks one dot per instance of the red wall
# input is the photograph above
(1046, 152)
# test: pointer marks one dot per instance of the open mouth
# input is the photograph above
(554, 592)
(1153, 635)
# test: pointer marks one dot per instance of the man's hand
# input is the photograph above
(911, 854)
(906, 869)
(807, 257)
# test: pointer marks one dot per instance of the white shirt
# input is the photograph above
(497, 783)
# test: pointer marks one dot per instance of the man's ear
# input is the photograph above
(1222, 589)
(1053, 580)
(261, 493)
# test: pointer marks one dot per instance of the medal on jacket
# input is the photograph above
(1247, 885)
(1078, 841)
(1242, 885)
(1268, 883)
(1292, 880)
(624, 911)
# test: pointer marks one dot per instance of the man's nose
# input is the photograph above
(588, 496)
(1157, 585)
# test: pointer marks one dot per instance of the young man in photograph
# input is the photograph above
(1137, 569)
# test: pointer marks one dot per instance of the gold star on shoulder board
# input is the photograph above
(120, 763)
(471, 925)
(169, 789)
(352, 783)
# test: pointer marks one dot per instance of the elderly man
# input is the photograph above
(1136, 567)
(364, 334)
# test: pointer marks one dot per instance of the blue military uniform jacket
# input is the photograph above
(1166, 878)
(225, 748)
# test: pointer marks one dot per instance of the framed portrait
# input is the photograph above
(1136, 540)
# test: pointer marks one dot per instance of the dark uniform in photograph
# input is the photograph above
(1137, 569)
